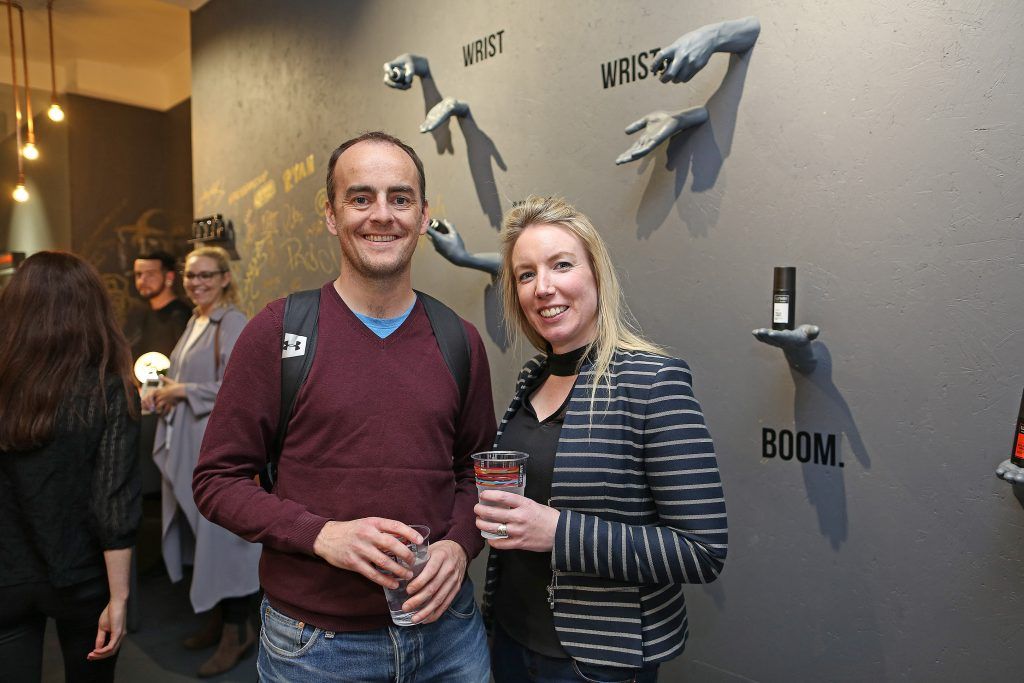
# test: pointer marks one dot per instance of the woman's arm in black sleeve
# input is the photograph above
(116, 487)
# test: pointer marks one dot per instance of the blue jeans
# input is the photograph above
(514, 663)
(453, 648)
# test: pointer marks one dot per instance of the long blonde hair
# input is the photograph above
(616, 327)
(228, 295)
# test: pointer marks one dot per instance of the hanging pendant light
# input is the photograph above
(55, 113)
(20, 193)
(29, 151)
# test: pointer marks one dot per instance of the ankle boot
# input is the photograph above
(209, 633)
(235, 642)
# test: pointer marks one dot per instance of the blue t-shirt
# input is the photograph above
(382, 327)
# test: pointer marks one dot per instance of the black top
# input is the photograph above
(521, 599)
(63, 504)
(567, 364)
(158, 330)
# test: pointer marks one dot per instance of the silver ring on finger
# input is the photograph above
(502, 530)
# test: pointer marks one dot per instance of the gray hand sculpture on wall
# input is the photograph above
(795, 343)
(659, 126)
(788, 339)
(690, 53)
(401, 71)
(678, 63)
(442, 111)
(1010, 472)
(448, 243)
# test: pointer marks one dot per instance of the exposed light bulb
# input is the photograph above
(55, 113)
(20, 194)
(30, 151)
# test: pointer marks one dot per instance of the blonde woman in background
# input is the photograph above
(224, 567)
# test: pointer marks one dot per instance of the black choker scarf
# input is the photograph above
(566, 364)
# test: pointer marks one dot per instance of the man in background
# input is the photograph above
(158, 327)
(153, 327)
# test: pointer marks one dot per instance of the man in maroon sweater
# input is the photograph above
(379, 439)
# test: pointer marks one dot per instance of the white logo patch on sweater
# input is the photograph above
(293, 345)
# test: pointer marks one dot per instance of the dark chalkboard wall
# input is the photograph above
(112, 181)
(131, 186)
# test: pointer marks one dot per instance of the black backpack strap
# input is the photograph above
(451, 339)
(298, 346)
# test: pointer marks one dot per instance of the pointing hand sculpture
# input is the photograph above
(678, 63)
(690, 53)
(401, 71)
(442, 111)
(448, 243)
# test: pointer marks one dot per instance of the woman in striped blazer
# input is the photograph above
(623, 500)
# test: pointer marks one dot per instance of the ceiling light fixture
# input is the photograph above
(20, 193)
(55, 113)
(29, 151)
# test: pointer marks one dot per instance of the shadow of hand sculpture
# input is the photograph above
(818, 402)
(400, 73)
(702, 150)
(678, 63)
(495, 319)
(481, 151)
(692, 145)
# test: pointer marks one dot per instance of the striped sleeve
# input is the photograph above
(688, 542)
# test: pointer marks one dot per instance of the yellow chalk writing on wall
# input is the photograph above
(248, 187)
(298, 171)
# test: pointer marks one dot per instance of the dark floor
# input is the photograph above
(154, 654)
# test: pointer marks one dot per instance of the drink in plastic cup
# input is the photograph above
(148, 387)
(397, 597)
(500, 471)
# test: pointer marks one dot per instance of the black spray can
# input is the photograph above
(784, 298)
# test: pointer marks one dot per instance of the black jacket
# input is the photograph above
(63, 504)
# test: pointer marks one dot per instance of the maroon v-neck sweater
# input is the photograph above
(376, 432)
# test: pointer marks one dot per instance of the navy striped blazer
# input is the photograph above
(642, 511)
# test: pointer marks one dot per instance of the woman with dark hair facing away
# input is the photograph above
(623, 501)
(225, 576)
(69, 482)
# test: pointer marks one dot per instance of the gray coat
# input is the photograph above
(224, 565)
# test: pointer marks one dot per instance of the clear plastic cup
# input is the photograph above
(500, 471)
(398, 597)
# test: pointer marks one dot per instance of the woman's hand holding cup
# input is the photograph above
(529, 525)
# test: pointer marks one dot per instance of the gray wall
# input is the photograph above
(876, 148)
